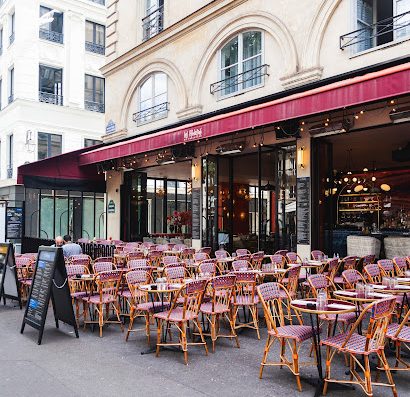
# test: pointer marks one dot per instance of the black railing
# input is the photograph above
(11, 98)
(383, 31)
(11, 38)
(55, 37)
(102, 2)
(47, 97)
(241, 81)
(97, 250)
(94, 106)
(154, 113)
(96, 48)
(10, 171)
(153, 23)
(31, 244)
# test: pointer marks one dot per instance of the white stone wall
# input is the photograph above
(27, 52)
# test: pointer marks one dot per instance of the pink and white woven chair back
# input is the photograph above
(137, 263)
(109, 282)
(401, 265)
(162, 247)
(352, 277)
(179, 247)
(366, 260)
(386, 267)
(293, 274)
(281, 252)
(31, 255)
(317, 254)
(318, 281)
(83, 240)
(200, 256)
(80, 261)
(104, 259)
(221, 254)
(152, 248)
(23, 261)
(333, 266)
(192, 293)
(120, 249)
(103, 267)
(240, 265)
(80, 256)
(278, 259)
(73, 270)
(258, 256)
(292, 257)
(221, 282)
(246, 257)
(242, 251)
(147, 244)
(175, 273)
(169, 259)
(206, 250)
(349, 262)
(137, 277)
(135, 255)
(373, 272)
(381, 312)
(207, 267)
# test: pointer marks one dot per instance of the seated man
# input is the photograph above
(70, 248)
(58, 242)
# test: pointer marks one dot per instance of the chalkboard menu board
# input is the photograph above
(303, 210)
(49, 281)
(9, 284)
(14, 222)
(196, 213)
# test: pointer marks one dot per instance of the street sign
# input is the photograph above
(49, 281)
(9, 284)
(111, 207)
(14, 222)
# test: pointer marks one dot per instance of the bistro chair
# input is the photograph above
(281, 252)
(24, 271)
(170, 259)
(221, 292)
(134, 255)
(104, 259)
(387, 267)
(293, 257)
(372, 273)
(360, 347)
(187, 255)
(349, 262)
(246, 297)
(241, 265)
(175, 274)
(200, 256)
(333, 266)
(317, 255)
(108, 284)
(400, 265)
(352, 277)
(222, 254)
(365, 260)
(181, 316)
(257, 259)
(205, 250)
(80, 259)
(140, 306)
(399, 334)
(290, 333)
(179, 247)
(208, 267)
(291, 280)
(78, 288)
(242, 251)
(278, 259)
(134, 264)
(155, 258)
(99, 267)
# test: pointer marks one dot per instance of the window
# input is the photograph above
(1, 92)
(94, 93)
(51, 85)
(241, 64)
(94, 37)
(153, 23)
(91, 142)
(48, 145)
(12, 27)
(153, 103)
(52, 31)
(10, 156)
(1, 41)
(378, 22)
(11, 85)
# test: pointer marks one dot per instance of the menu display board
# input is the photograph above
(303, 210)
(196, 213)
(49, 281)
(9, 284)
(14, 222)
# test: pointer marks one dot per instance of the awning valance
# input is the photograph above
(376, 86)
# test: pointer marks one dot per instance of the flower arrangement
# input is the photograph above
(179, 219)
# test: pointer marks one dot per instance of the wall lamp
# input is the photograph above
(301, 157)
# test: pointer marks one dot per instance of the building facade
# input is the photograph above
(253, 116)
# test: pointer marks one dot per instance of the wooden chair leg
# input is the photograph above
(265, 355)
(198, 326)
(388, 372)
(367, 376)
(159, 330)
(295, 357)
(147, 328)
(184, 341)
(213, 331)
(131, 323)
(327, 373)
(101, 318)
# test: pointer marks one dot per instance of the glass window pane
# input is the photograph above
(88, 215)
(252, 75)
(100, 35)
(229, 53)
(47, 214)
(89, 32)
(61, 213)
(42, 146)
(55, 143)
(160, 83)
(146, 90)
(32, 212)
(99, 215)
(159, 216)
(252, 44)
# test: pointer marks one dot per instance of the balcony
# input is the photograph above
(11, 98)
(53, 99)
(94, 106)
(10, 171)
(96, 48)
(102, 2)
(151, 114)
(381, 32)
(11, 38)
(49, 35)
(153, 23)
(240, 82)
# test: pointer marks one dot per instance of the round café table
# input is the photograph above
(399, 289)
(308, 306)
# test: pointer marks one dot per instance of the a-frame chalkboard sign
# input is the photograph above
(9, 284)
(49, 281)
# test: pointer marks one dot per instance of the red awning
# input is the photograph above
(61, 172)
(388, 83)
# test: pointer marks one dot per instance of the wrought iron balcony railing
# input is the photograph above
(385, 30)
(11, 38)
(102, 2)
(94, 106)
(153, 23)
(49, 35)
(11, 98)
(154, 113)
(96, 48)
(53, 99)
(10, 171)
(241, 81)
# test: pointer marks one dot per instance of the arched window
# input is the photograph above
(241, 63)
(153, 103)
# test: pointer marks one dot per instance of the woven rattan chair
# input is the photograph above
(78, 289)
(169, 259)
(208, 267)
(134, 255)
(242, 251)
(108, 284)
(200, 256)
(241, 265)
(257, 259)
(180, 316)
(372, 273)
(360, 347)
(316, 254)
(278, 259)
(399, 334)
(206, 250)
(175, 274)
(137, 263)
(352, 277)
(221, 291)
(293, 257)
(291, 280)
(401, 265)
(104, 259)
(365, 260)
(99, 267)
(290, 333)
(387, 267)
